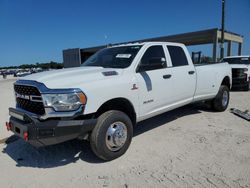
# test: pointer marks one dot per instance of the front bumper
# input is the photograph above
(49, 132)
(239, 82)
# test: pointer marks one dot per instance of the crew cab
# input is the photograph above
(240, 71)
(117, 87)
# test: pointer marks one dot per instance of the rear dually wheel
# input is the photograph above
(221, 101)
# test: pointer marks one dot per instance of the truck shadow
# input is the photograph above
(167, 117)
(62, 154)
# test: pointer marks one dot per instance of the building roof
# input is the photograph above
(191, 38)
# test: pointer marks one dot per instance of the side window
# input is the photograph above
(178, 56)
(153, 58)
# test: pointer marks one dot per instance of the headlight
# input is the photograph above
(64, 102)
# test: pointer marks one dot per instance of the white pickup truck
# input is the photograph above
(118, 86)
(240, 71)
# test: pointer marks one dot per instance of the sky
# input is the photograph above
(34, 31)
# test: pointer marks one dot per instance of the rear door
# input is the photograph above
(183, 73)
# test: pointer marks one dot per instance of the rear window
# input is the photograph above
(178, 56)
(238, 60)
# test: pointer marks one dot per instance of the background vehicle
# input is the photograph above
(240, 71)
(114, 89)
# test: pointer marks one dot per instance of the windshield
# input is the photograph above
(116, 57)
(238, 60)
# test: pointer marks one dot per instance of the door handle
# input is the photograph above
(167, 76)
(191, 72)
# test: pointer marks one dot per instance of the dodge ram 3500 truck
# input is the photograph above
(240, 71)
(118, 86)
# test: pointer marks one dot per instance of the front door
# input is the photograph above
(154, 82)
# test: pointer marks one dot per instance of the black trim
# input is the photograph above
(191, 72)
(167, 76)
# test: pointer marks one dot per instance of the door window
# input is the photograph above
(177, 56)
(153, 58)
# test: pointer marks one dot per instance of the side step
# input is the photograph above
(245, 115)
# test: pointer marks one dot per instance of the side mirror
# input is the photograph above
(151, 64)
(157, 60)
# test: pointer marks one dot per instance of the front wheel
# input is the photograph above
(221, 101)
(112, 135)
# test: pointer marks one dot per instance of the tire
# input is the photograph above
(102, 139)
(220, 102)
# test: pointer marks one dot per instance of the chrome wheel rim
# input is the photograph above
(225, 98)
(116, 136)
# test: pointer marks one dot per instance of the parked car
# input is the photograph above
(240, 71)
(7, 72)
(116, 88)
(22, 73)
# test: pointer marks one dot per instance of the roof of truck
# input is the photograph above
(144, 43)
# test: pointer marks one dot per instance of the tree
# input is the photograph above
(50, 65)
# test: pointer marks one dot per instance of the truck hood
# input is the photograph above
(73, 77)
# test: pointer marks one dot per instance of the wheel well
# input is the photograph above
(120, 104)
(226, 82)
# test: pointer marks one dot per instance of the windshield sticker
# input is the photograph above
(123, 55)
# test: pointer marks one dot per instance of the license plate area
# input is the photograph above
(45, 132)
(19, 129)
